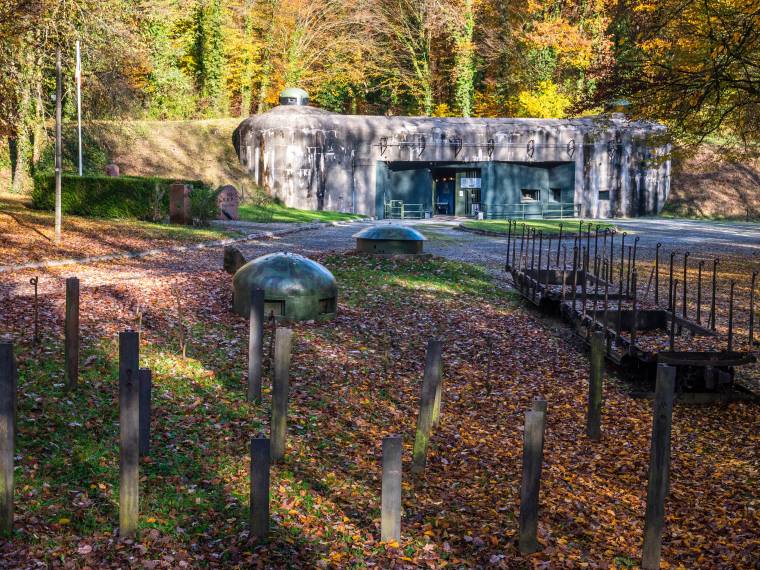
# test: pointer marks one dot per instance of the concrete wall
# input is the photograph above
(314, 159)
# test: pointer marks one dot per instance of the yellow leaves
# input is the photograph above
(150, 520)
(568, 40)
(545, 103)
(64, 521)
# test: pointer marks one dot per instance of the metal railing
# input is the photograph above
(398, 210)
(531, 210)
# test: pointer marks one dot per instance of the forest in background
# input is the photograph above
(692, 65)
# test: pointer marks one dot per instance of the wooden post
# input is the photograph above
(145, 389)
(7, 435)
(533, 457)
(390, 519)
(255, 345)
(129, 423)
(538, 405)
(436, 368)
(71, 345)
(659, 465)
(259, 501)
(427, 403)
(594, 416)
(282, 346)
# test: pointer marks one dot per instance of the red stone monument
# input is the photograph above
(228, 201)
(179, 204)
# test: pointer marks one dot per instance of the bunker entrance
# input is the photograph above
(415, 190)
(494, 189)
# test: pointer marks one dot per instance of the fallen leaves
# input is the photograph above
(355, 380)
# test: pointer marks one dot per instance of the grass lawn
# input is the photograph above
(546, 226)
(278, 213)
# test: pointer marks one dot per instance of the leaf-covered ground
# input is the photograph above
(353, 381)
(27, 235)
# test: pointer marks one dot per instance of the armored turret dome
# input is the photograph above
(295, 288)
(389, 239)
(294, 96)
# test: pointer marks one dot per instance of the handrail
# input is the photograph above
(399, 210)
(538, 210)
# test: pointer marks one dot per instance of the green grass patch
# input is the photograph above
(546, 226)
(360, 276)
(274, 212)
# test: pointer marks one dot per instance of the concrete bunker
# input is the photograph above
(394, 167)
(296, 288)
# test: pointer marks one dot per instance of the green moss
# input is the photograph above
(274, 212)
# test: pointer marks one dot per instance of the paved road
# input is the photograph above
(702, 239)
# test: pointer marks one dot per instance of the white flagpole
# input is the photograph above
(79, 105)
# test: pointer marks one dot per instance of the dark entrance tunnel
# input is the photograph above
(498, 189)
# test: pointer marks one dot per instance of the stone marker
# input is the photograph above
(112, 169)
(228, 201)
(179, 204)
(233, 259)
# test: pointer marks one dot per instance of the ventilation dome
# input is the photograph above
(389, 239)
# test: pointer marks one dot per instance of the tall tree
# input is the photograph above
(209, 55)
(694, 65)
(408, 28)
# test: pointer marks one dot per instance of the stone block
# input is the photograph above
(233, 259)
(179, 204)
(228, 201)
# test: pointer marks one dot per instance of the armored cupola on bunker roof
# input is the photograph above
(295, 287)
(294, 96)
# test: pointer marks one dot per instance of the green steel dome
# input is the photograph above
(296, 288)
(389, 239)
(294, 96)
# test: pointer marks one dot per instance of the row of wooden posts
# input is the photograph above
(135, 386)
